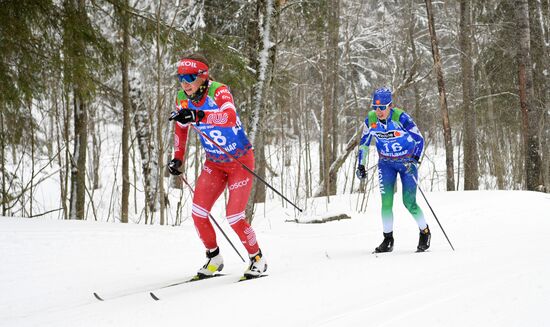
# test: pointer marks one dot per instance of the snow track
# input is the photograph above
(319, 274)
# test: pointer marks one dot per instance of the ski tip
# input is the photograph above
(156, 298)
(98, 297)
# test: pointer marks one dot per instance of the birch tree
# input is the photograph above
(262, 63)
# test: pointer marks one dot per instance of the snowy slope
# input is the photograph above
(319, 274)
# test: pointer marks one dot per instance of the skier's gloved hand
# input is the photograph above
(412, 165)
(185, 116)
(361, 172)
(173, 167)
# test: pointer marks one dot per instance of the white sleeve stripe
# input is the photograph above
(227, 105)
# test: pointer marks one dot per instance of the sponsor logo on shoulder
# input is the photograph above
(221, 91)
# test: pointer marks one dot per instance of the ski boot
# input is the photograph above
(214, 263)
(258, 265)
(424, 240)
(386, 245)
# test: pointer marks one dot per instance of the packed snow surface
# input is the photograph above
(319, 274)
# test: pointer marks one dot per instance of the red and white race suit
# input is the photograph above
(219, 171)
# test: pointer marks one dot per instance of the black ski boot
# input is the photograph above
(424, 240)
(386, 245)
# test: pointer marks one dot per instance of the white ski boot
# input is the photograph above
(258, 265)
(214, 263)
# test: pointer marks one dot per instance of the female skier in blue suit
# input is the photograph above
(400, 145)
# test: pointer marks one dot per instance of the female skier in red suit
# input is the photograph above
(209, 106)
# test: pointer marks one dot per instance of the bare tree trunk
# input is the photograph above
(495, 144)
(31, 185)
(78, 160)
(307, 151)
(126, 108)
(416, 63)
(329, 139)
(442, 99)
(540, 51)
(76, 58)
(530, 118)
(299, 177)
(160, 120)
(471, 174)
(142, 125)
(3, 163)
(334, 37)
(63, 135)
(66, 137)
(263, 61)
(96, 149)
(283, 142)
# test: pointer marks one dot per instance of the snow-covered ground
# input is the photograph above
(319, 274)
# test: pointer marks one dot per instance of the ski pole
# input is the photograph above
(214, 220)
(244, 166)
(418, 185)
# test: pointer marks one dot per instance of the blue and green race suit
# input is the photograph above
(399, 142)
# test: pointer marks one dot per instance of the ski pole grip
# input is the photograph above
(172, 115)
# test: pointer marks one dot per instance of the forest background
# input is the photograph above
(473, 74)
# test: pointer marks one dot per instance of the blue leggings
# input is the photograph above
(387, 174)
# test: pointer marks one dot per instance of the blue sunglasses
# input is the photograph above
(188, 78)
(380, 107)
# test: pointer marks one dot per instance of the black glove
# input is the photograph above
(173, 167)
(185, 116)
(412, 165)
(361, 172)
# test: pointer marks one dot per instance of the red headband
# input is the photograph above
(190, 66)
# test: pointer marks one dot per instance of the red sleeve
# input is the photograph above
(226, 115)
(180, 140)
